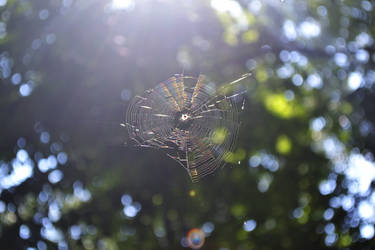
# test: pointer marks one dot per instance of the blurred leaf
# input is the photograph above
(283, 144)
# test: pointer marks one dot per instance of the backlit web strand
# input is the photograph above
(194, 123)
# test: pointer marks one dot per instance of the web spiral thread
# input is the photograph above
(188, 118)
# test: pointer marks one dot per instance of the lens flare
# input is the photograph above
(195, 238)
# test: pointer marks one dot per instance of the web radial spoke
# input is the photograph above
(195, 124)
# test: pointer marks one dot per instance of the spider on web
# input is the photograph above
(195, 123)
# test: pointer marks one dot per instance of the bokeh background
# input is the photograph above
(68, 69)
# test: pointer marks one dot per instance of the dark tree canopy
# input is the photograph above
(301, 175)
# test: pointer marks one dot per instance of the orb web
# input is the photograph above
(188, 118)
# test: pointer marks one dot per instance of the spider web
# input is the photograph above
(188, 118)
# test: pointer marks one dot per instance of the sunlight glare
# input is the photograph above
(309, 28)
(234, 9)
(123, 4)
